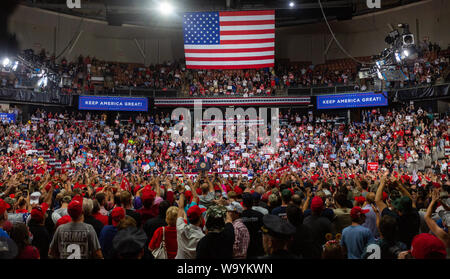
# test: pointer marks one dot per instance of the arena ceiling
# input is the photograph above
(145, 12)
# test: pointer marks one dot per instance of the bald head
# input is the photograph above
(370, 197)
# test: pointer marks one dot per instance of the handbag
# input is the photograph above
(161, 252)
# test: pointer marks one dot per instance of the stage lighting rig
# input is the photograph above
(388, 64)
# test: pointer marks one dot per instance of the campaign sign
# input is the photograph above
(356, 100)
(372, 166)
(7, 117)
(113, 103)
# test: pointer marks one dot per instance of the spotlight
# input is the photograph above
(42, 82)
(6, 62)
(398, 57)
(291, 4)
(16, 64)
(166, 8)
(408, 39)
(406, 53)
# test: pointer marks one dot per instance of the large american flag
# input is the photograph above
(229, 40)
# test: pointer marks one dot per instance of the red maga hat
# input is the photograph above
(194, 212)
(356, 212)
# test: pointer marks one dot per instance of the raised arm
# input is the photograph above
(440, 233)
(308, 198)
(379, 195)
(181, 212)
(157, 187)
(403, 190)
(211, 185)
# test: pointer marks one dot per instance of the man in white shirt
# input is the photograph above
(188, 235)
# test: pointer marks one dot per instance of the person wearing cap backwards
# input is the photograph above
(242, 236)
(76, 239)
(219, 239)
(252, 219)
(189, 229)
(356, 237)
(277, 234)
(108, 232)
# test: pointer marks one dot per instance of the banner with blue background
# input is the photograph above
(7, 117)
(112, 103)
(356, 100)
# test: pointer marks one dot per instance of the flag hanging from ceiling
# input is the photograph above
(229, 40)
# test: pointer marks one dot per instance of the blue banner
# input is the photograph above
(357, 100)
(7, 117)
(112, 103)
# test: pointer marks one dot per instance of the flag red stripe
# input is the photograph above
(231, 50)
(247, 13)
(231, 67)
(247, 22)
(254, 41)
(230, 58)
(248, 32)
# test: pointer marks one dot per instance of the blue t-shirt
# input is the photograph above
(3, 233)
(355, 239)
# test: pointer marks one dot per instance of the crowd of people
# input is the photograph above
(88, 74)
(79, 186)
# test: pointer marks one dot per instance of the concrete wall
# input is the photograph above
(364, 35)
(39, 29)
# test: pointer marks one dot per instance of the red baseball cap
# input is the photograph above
(117, 214)
(238, 190)
(428, 246)
(360, 199)
(356, 212)
(148, 195)
(436, 185)
(38, 213)
(75, 208)
(316, 204)
(63, 220)
(194, 212)
(188, 195)
(3, 206)
(272, 183)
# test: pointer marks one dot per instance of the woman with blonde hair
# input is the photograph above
(167, 234)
